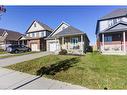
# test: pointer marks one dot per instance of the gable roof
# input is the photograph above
(69, 31)
(116, 13)
(11, 35)
(121, 26)
(46, 27)
(57, 28)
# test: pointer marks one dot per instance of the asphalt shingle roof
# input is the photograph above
(46, 27)
(69, 31)
(12, 35)
(116, 13)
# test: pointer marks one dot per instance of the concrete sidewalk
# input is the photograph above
(17, 59)
(10, 79)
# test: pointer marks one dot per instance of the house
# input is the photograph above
(67, 37)
(111, 33)
(35, 34)
(8, 37)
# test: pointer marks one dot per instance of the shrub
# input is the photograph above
(1, 50)
(89, 49)
(63, 52)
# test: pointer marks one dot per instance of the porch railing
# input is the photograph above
(113, 48)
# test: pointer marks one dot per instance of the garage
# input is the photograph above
(34, 47)
(53, 46)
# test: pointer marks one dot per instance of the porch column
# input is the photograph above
(103, 41)
(19, 42)
(124, 44)
(82, 44)
(23, 42)
(62, 42)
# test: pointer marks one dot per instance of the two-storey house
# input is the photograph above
(111, 33)
(35, 36)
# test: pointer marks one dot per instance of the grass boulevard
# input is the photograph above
(92, 70)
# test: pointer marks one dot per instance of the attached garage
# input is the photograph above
(53, 46)
(34, 47)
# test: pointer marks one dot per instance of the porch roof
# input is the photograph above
(29, 38)
(119, 27)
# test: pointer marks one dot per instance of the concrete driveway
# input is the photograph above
(17, 59)
(10, 79)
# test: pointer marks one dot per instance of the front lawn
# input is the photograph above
(3, 52)
(92, 71)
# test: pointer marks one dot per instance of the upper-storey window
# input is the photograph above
(113, 21)
(33, 34)
(27, 35)
(42, 34)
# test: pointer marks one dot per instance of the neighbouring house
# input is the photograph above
(67, 37)
(111, 33)
(35, 34)
(9, 37)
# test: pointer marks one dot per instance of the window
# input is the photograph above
(34, 24)
(33, 34)
(41, 34)
(110, 23)
(108, 38)
(63, 28)
(27, 35)
(113, 21)
(74, 40)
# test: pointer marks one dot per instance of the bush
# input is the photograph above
(89, 49)
(1, 50)
(63, 52)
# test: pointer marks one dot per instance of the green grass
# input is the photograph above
(92, 71)
(3, 52)
(19, 54)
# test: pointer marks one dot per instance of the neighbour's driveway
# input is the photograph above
(7, 54)
(17, 59)
(10, 79)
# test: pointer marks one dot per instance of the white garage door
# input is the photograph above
(34, 47)
(53, 46)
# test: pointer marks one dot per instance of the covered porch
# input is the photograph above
(73, 44)
(113, 42)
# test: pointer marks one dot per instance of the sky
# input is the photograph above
(84, 18)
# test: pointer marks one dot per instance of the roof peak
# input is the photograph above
(63, 22)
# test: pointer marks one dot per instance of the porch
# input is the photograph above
(113, 43)
(73, 44)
